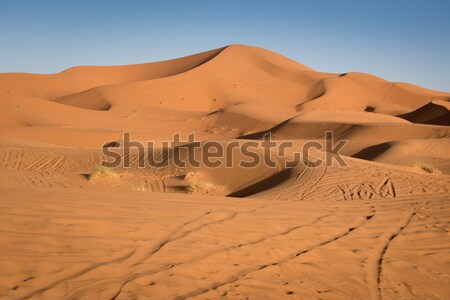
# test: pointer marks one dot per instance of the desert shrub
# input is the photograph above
(102, 172)
(426, 167)
(198, 184)
(140, 187)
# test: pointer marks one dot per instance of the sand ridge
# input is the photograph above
(376, 228)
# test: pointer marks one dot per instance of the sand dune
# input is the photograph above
(376, 228)
(79, 79)
(410, 152)
(435, 112)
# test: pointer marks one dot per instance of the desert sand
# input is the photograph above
(377, 228)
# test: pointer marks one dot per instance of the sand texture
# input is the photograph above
(377, 228)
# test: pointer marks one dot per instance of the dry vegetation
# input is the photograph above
(103, 172)
(426, 167)
(198, 184)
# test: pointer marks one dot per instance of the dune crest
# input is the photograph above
(375, 227)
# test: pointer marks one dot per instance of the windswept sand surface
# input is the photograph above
(377, 228)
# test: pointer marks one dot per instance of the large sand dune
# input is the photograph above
(377, 228)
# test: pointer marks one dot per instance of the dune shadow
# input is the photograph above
(263, 185)
(260, 134)
(372, 152)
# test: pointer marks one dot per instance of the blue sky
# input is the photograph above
(398, 40)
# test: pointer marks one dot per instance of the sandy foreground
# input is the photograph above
(377, 228)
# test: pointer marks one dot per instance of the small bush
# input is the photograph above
(140, 187)
(426, 167)
(198, 184)
(102, 172)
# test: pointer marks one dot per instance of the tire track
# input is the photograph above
(309, 190)
(221, 250)
(77, 274)
(98, 265)
(179, 233)
(173, 236)
(246, 272)
(374, 266)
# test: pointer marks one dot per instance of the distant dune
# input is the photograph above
(377, 228)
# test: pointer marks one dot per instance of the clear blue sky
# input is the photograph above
(399, 40)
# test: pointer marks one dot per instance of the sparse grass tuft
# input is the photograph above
(198, 184)
(102, 172)
(130, 116)
(140, 187)
(210, 129)
(426, 167)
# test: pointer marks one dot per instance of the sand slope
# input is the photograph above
(374, 229)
